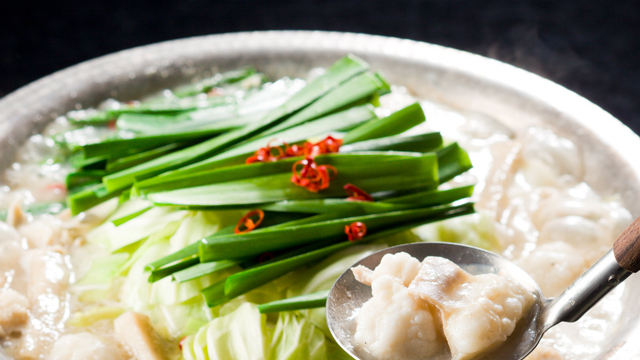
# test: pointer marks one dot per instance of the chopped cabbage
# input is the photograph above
(296, 338)
(176, 309)
(87, 318)
(245, 334)
(240, 335)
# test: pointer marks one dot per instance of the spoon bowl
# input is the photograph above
(348, 295)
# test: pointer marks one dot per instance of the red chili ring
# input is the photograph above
(357, 194)
(248, 223)
(355, 231)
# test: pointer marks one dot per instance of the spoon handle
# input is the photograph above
(627, 247)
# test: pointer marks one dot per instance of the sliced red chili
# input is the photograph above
(356, 231)
(293, 150)
(326, 146)
(266, 154)
(309, 150)
(247, 223)
(356, 194)
(311, 176)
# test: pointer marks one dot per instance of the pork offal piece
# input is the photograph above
(14, 311)
(478, 312)
(401, 266)
(49, 275)
(84, 346)
(135, 332)
(394, 326)
(419, 308)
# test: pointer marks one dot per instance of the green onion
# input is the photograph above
(80, 179)
(271, 220)
(148, 141)
(160, 274)
(239, 153)
(172, 105)
(307, 301)
(452, 161)
(154, 124)
(247, 280)
(90, 197)
(132, 160)
(418, 143)
(202, 269)
(124, 219)
(217, 80)
(341, 71)
(396, 123)
(353, 91)
(254, 243)
(343, 206)
(405, 173)
(78, 162)
(244, 281)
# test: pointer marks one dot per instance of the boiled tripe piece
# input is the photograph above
(84, 346)
(394, 326)
(419, 308)
(14, 311)
(135, 332)
(401, 266)
(478, 312)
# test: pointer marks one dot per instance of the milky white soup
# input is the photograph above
(533, 208)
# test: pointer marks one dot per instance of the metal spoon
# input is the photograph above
(347, 295)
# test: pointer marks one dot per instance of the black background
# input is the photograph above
(591, 47)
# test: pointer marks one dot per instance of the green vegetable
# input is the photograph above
(351, 92)
(207, 84)
(139, 158)
(254, 243)
(396, 123)
(341, 71)
(172, 105)
(89, 197)
(202, 269)
(418, 143)
(80, 179)
(272, 219)
(238, 154)
(149, 141)
(307, 301)
(343, 206)
(379, 226)
(399, 172)
(161, 124)
(452, 161)
(243, 334)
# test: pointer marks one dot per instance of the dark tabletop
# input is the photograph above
(590, 47)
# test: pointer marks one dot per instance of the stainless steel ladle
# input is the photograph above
(347, 295)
